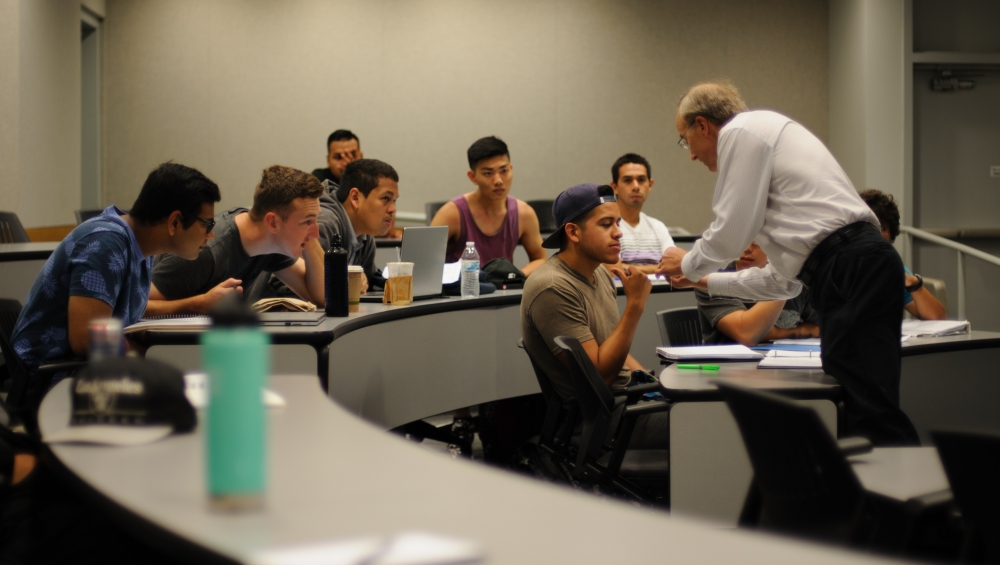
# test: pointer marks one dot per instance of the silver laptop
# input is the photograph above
(425, 247)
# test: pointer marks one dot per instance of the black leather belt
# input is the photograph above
(826, 247)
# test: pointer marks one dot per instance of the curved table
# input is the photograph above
(335, 477)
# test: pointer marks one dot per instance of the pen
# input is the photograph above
(699, 367)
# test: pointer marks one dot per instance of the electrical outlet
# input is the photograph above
(995, 171)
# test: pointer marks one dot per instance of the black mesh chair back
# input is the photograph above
(11, 230)
(84, 215)
(432, 208)
(543, 209)
(559, 419)
(679, 327)
(594, 398)
(805, 483)
(972, 463)
(10, 309)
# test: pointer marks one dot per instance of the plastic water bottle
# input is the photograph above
(470, 271)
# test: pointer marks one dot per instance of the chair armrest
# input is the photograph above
(854, 446)
(635, 392)
(625, 428)
(50, 369)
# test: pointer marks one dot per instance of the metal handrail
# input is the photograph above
(962, 250)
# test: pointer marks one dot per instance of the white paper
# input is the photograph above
(452, 272)
(803, 341)
(708, 352)
(196, 391)
(408, 548)
(935, 328)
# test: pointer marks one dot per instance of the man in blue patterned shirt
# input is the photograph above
(102, 268)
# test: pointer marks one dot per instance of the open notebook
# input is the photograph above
(783, 359)
(709, 352)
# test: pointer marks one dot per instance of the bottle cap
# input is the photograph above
(470, 243)
(231, 312)
(336, 242)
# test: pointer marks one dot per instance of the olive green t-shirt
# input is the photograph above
(558, 301)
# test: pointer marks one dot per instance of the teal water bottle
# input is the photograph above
(236, 357)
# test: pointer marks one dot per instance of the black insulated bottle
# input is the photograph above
(335, 277)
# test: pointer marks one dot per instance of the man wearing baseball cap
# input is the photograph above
(572, 294)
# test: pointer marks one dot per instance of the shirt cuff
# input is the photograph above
(686, 268)
(718, 284)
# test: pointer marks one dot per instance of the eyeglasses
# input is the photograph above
(683, 142)
(209, 224)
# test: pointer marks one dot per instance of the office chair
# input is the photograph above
(559, 419)
(432, 208)
(84, 215)
(804, 485)
(20, 401)
(972, 463)
(603, 458)
(543, 209)
(679, 327)
(11, 230)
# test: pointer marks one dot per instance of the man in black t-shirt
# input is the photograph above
(342, 147)
(278, 234)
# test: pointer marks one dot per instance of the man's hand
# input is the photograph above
(220, 291)
(364, 283)
(670, 263)
(635, 284)
(683, 282)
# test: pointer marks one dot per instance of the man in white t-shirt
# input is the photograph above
(644, 239)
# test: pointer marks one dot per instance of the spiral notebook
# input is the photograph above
(784, 359)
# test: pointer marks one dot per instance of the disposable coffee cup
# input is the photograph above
(355, 275)
(399, 284)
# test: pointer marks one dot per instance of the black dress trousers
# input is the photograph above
(858, 291)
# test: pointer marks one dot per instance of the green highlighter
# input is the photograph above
(699, 367)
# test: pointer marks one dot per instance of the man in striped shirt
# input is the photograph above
(644, 239)
(779, 185)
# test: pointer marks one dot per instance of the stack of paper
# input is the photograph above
(708, 352)
(170, 323)
(283, 305)
(935, 328)
(779, 359)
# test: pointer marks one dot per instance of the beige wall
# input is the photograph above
(49, 126)
(233, 86)
(10, 161)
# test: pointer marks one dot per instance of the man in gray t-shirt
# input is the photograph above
(572, 294)
(278, 234)
(222, 259)
(728, 320)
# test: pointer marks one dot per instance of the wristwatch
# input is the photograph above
(916, 286)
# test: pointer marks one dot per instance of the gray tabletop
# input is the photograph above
(332, 476)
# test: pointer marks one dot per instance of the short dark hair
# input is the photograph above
(363, 175)
(279, 187)
(171, 187)
(486, 148)
(884, 206)
(341, 135)
(630, 158)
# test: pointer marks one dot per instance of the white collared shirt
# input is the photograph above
(779, 185)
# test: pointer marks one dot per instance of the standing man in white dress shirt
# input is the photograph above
(779, 185)
(644, 239)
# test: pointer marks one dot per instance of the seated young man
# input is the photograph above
(102, 268)
(572, 294)
(644, 239)
(362, 208)
(278, 234)
(489, 216)
(727, 320)
(342, 147)
(917, 300)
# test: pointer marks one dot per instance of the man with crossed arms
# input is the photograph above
(779, 185)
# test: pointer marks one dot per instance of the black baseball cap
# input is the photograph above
(126, 401)
(573, 203)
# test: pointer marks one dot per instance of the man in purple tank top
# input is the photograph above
(489, 216)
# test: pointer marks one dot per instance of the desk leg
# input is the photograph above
(323, 366)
